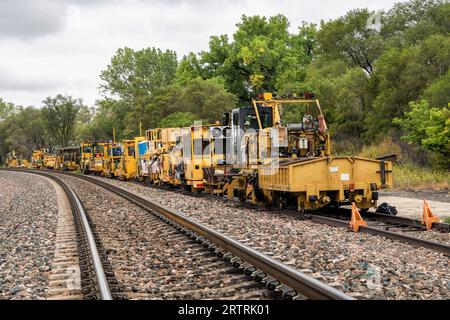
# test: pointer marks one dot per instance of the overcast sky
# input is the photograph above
(60, 46)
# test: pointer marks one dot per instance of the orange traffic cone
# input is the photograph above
(428, 217)
(356, 221)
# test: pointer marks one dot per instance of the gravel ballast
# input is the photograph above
(361, 265)
(152, 260)
(28, 221)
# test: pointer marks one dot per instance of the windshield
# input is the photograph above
(87, 149)
(116, 152)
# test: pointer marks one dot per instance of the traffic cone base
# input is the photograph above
(428, 218)
(356, 221)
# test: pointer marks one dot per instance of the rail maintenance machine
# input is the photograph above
(292, 165)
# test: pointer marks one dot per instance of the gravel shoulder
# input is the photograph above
(430, 195)
(362, 265)
(28, 224)
(409, 204)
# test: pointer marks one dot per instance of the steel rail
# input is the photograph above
(440, 226)
(296, 280)
(436, 246)
(77, 208)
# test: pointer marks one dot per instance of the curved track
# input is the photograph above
(97, 280)
(275, 275)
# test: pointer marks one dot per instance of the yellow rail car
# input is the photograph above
(49, 161)
(86, 155)
(37, 159)
(291, 165)
(311, 184)
(128, 164)
(163, 156)
(111, 158)
(68, 159)
(14, 160)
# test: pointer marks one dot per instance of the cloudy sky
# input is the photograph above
(60, 46)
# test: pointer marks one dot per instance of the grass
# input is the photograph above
(408, 175)
(446, 219)
(387, 146)
(412, 177)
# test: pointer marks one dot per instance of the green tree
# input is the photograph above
(60, 115)
(343, 92)
(206, 99)
(428, 127)
(349, 38)
(438, 92)
(403, 75)
(415, 20)
(263, 56)
(188, 69)
(6, 109)
(178, 119)
(133, 77)
(24, 131)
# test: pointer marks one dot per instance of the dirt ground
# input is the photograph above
(410, 203)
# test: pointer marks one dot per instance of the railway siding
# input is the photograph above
(362, 265)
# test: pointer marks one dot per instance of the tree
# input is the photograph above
(24, 131)
(403, 75)
(59, 115)
(343, 93)
(206, 99)
(178, 119)
(350, 39)
(263, 56)
(438, 93)
(6, 109)
(428, 127)
(410, 22)
(133, 77)
(188, 69)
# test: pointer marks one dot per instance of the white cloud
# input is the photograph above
(50, 47)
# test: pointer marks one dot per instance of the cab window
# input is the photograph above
(131, 151)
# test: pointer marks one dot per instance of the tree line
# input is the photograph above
(377, 74)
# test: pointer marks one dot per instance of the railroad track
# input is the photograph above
(272, 275)
(97, 278)
(379, 224)
(375, 228)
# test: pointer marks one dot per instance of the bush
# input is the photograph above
(429, 128)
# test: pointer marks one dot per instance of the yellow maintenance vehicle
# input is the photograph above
(49, 161)
(86, 149)
(187, 157)
(37, 159)
(291, 165)
(68, 159)
(97, 158)
(111, 159)
(162, 155)
(128, 164)
(14, 160)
